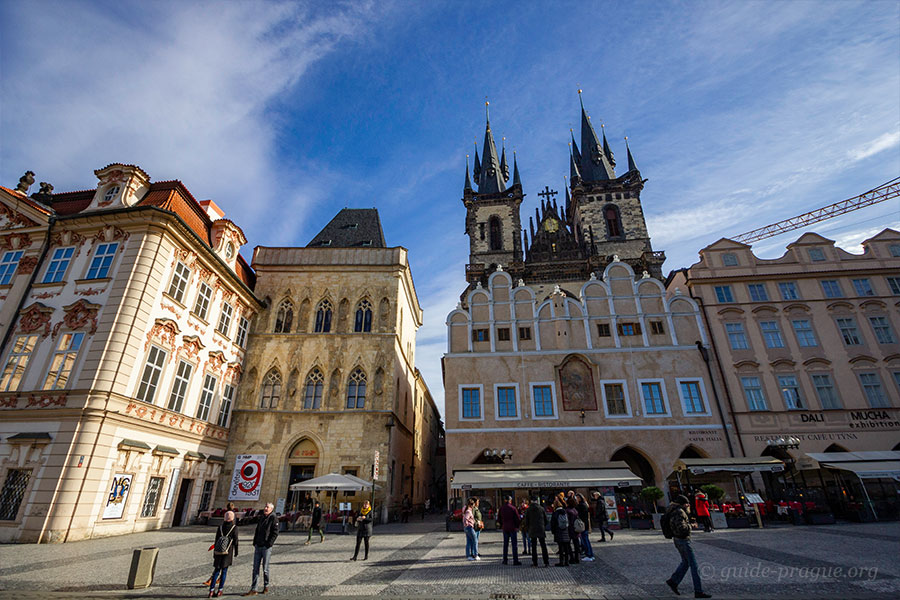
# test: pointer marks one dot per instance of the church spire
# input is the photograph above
(476, 169)
(468, 185)
(516, 180)
(491, 179)
(606, 149)
(574, 146)
(504, 167)
(574, 175)
(594, 164)
(631, 165)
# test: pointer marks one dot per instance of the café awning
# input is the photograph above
(865, 465)
(615, 474)
(699, 466)
(333, 482)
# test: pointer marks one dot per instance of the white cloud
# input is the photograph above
(882, 142)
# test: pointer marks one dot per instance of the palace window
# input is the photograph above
(614, 393)
(771, 334)
(894, 284)
(871, 385)
(692, 397)
(626, 329)
(882, 329)
(656, 328)
(736, 336)
(63, 361)
(613, 221)
(271, 390)
(654, 404)
(506, 403)
(753, 392)
(151, 499)
(806, 338)
(225, 409)
(59, 264)
(471, 403)
(832, 288)
(895, 250)
(849, 332)
(241, 338)
(825, 391)
(524, 333)
(816, 254)
(603, 330)
(496, 240)
(206, 495)
(312, 392)
(363, 321)
(180, 278)
(863, 287)
(480, 335)
(503, 334)
(790, 391)
(758, 292)
(356, 389)
(206, 397)
(225, 319)
(323, 316)
(284, 317)
(180, 386)
(723, 293)
(17, 362)
(100, 264)
(543, 401)
(729, 260)
(788, 290)
(8, 265)
(13, 493)
(201, 306)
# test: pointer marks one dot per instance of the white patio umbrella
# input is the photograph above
(332, 482)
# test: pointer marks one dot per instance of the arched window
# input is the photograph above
(323, 317)
(613, 223)
(363, 317)
(496, 241)
(271, 390)
(284, 317)
(356, 389)
(312, 393)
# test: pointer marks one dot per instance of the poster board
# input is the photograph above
(609, 500)
(118, 495)
(170, 495)
(246, 479)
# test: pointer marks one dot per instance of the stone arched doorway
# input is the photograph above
(548, 455)
(638, 464)
(835, 448)
(692, 451)
(301, 464)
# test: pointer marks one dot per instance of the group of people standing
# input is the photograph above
(569, 523)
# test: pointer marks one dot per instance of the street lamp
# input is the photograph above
(784, 443)
(498, 456)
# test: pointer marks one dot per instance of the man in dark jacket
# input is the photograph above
(535, 525)
(263, 540)
(680, 525)
(509, 521)
(315, 524)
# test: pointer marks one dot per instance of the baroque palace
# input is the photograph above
(128, 319)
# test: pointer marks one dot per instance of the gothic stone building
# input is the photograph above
(330, 378)
(125, 310)
(564, 347)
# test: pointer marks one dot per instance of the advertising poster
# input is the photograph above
(118, 493)
(247, 477)
(609, 499)
(170, 495)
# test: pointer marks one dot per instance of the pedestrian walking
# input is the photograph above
(405, 508)
(535, 525)
(228, 507)
(523, 507)
(703, 512)
(559, 526)
(584, 513)
(263, 540)
(363, 529)
(479, 526)
(315, 524)
(602, 517)
(468, 521)
(225, 549)
(676, 525)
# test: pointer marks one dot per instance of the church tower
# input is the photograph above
(492, 212)
(605, 211)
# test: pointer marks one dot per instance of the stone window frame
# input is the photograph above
(884, 333)
(19, 358)
(704, 396)
(178, 283)
(98, 263)
(880, 384)
(357, 378)
(158, 367)
(316, 382)
(761, 386)
(469, 386)
(831, 384)
(797, 387)
(275, 389)
(226, 406)
(552, 385)
(203, 301)
(284, 316)
(729, 259)
(758, 292)
(742, 333)
(808, 332)
(624, 383)
(175, 382)
(518, 404)
(788, 290)
(25, 454)
(836, 287)
(724, 294)
(618, 221)
(664, 394)
(213, 392)
(9, 264)
(59, 264)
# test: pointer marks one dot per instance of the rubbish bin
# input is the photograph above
(143, 566)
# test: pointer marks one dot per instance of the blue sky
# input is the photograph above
(738, 113)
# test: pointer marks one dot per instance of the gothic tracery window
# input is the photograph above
(356, 389)
(613, 222)
(270, 393)
(312, 393)
(363, 321)
(323, 316)
(496, 240)
(284, 317)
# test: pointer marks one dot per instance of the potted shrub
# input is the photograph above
(640, 520)
(651, 495)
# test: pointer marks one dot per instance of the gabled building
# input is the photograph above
(125, 313)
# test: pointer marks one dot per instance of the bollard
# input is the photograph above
(143, 566)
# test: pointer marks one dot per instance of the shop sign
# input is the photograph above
(118, 494)
(812, 418)
(872, 419)
(247, 477)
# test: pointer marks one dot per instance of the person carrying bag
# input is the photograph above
(225, 548)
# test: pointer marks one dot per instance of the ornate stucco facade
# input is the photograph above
(808, 341)
(330, 378)
(116, 381)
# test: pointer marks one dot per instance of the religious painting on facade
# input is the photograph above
(576, 382)
(118, 494)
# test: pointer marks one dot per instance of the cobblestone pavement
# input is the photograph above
(421, 560)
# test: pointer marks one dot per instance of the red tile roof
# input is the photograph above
(32, 203)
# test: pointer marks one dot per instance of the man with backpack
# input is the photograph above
(676, 526)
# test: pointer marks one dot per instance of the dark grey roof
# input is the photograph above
(352, 227)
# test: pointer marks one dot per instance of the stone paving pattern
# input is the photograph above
(422, 560)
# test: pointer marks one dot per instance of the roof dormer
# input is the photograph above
(227, 239)
(120, 186)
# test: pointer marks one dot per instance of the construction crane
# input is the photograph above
(885, 191)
